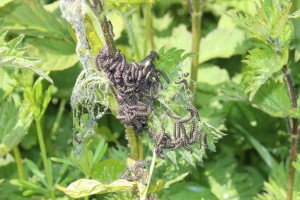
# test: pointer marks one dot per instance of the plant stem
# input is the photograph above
(148, 29)
(196, 13)
(135, 144)
(19, 162)
(58, 117)
(150, 175)
(293, 132)
(140, 148)
(98, 10)
(44, 157)
(132, 143)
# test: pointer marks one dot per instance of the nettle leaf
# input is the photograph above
(222, 43)
(14, 124)
(11, 55)
(108, 170)
(270, 26)
(54, 55)
(175, 98)
(50, 39)
(86, 187)
(262, 63)
(276, 187)
(272, 98)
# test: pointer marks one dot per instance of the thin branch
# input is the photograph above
(293, 131)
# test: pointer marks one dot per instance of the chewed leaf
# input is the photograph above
(85, 187)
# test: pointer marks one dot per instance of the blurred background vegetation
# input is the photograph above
(250, 159)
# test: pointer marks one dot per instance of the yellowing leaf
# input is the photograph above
(85, 187)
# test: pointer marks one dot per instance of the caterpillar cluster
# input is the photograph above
(181, 137)
(136, 85)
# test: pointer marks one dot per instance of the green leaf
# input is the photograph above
(35, 170)
(85, 187)
(108, 170)
(14, 123)
(222, 43)
(133, 1)
(190, 190)
(270, 25)
(295, 14)
(276, 188)
(100, 151)
(262, 64)
(273, 98)
(12, 56)
(55, 54)
(51, 40)
(262, 151)
(37, 23)
(62, 160)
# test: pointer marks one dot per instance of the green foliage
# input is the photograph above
(46, 34)
(14, 124)
(262, 64)
(11, 55)
(273, 31)
(85, 187)
(276, 186)
(241, 92)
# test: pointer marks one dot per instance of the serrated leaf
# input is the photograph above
(86, 187)
(273, 98)
(222, 43)
(12, 56)
(270, 25)
(262, 64)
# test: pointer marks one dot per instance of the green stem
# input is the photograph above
(58, 117)
(18, 159)
(196, 14)
(44, 157)
(293, 128)
(135, 145)
(148, 29)
(132, 143)
(98, 9)
(150, 175)
(140, 148)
